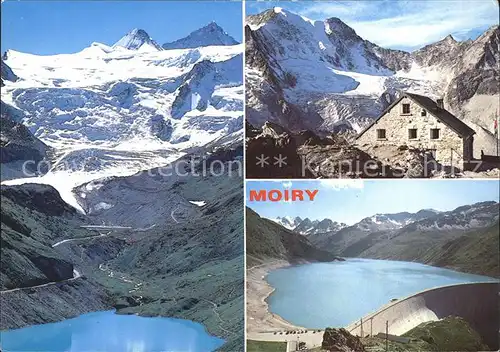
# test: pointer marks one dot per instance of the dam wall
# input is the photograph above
(477, 303)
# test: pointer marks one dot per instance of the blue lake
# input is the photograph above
(109, 332)
(338, 293)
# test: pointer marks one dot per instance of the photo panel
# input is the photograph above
(122, 176)
(372, 89)
(353, 265)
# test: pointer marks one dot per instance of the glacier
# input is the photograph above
(109, 111)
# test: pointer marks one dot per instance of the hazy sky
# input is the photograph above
(50, 27)
(350, 201)
(399, 24)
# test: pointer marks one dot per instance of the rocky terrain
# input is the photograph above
(34, 218)
(463, 239)
(449, 334)
(287, 221)
(322, 77)
(309, 156)
(7, 74)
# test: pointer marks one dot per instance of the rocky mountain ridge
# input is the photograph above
(210, 35)
(307, 226)
(7, 74)
(18, 146)
(427, 236)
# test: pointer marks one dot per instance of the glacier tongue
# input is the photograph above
(114, 111)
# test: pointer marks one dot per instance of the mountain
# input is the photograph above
(464, 239)
(137, 39)
(305, 226)
(106, 111)
(322, 76)
(18, 147)
(287, 221)
(338, 241)
(209, 35)
(267, 240)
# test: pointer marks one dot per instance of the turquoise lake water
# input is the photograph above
(338, 293)
(109, 332)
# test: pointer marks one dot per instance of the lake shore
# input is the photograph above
(259, 318)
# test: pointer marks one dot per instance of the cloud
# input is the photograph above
(403, 24)
(338, 184)
(428, 23)
(287, 184)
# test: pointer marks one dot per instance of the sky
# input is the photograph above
(53, 27)
(350, 201)
(399, 24)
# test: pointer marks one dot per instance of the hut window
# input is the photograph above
(412, 133)
(406, 108)
(435, 133)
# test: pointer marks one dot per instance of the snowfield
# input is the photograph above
(113, 111)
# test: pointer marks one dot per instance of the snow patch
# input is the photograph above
(199, 203)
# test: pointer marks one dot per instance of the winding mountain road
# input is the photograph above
(76, 275)
(79, 239)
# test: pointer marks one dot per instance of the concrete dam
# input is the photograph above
(477, 303)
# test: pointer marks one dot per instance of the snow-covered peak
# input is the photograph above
(211, 34)
(309, 227)
(287, 221)
(137, 39)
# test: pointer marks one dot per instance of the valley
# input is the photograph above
(171, 269)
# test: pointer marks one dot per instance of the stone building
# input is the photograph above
(422, 123)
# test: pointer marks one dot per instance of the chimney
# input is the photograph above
(440, 103)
